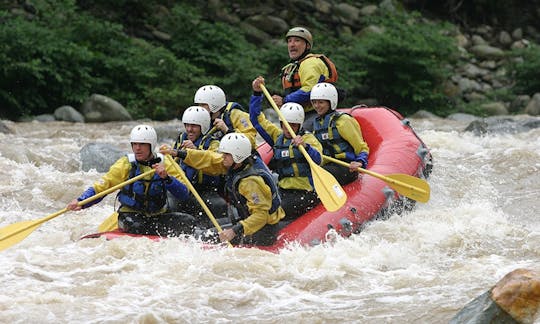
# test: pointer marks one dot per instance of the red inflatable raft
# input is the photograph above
(394, 148)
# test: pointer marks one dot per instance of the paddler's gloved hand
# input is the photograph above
(181, 154)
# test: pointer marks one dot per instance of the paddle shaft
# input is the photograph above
(34, 224)
(286, 123)
(196, 194)
(327, 187)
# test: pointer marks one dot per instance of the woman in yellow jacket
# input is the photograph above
(339, 133)
(249, 188)
(295, 180)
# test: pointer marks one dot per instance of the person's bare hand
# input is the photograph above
(74, 205)
(278, 100)
(188, 144)
(227, 235)
(298, 140)
(160, 170)
(256, 84)
(220, 124)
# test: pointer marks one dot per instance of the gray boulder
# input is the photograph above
(99, 156)
(99, 108)
(69, 114)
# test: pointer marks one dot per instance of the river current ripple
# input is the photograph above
(422, 267)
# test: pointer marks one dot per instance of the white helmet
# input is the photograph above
(198, 116)
(325, 91)
(144, 134)
(293, 112)
(236, 144)
(211, 95)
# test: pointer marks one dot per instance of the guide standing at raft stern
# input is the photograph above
(303, 72)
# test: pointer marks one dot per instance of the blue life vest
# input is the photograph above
(196, 176)
(226, 114)
(328, 135)
(143, 195)
(286, 162)
(258, 169)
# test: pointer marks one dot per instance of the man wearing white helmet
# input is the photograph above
(339, 134)
(295, 180)
(143, 204)
(303, 71)
(250, 189)
(197, 136)
(227, 117)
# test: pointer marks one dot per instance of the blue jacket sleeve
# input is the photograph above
(361, 157)
(90, 192)
(297, 96)
(178, 189)
(314, 154)
(254, 112)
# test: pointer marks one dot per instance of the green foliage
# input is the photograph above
(226, 58)
(63, 56)
(405, 65)
(525, 67)
(67, 50)
(37, 69)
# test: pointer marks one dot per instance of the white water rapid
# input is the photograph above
(420, 267)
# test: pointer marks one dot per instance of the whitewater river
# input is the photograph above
(422, 267)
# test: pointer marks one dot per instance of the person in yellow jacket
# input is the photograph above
(295, 180)
(339, 134)
(303, 72)
(143, 204)
(227, 117)
(197, 136)
(250, 189)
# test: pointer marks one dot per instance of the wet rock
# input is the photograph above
(494, 108)
(502, 125)
(519, 103)
(518, 293)
(45, 118)
(477, 127)
(167, 134)
(533, 107)
(514, 299)
(68, 113)
(462, 117)
(99, 156)
(5, 129)
(487, 52)
(99, 108)
(424, 114)
(482, 310)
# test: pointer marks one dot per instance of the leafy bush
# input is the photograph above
(63, 56)
(40, 70)
(225, 57)
(525, 67)
(406, 65)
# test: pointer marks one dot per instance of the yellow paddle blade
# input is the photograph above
(406, 185)
(328, 188)
(109, 224)
(14, 233)
(409, 186)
